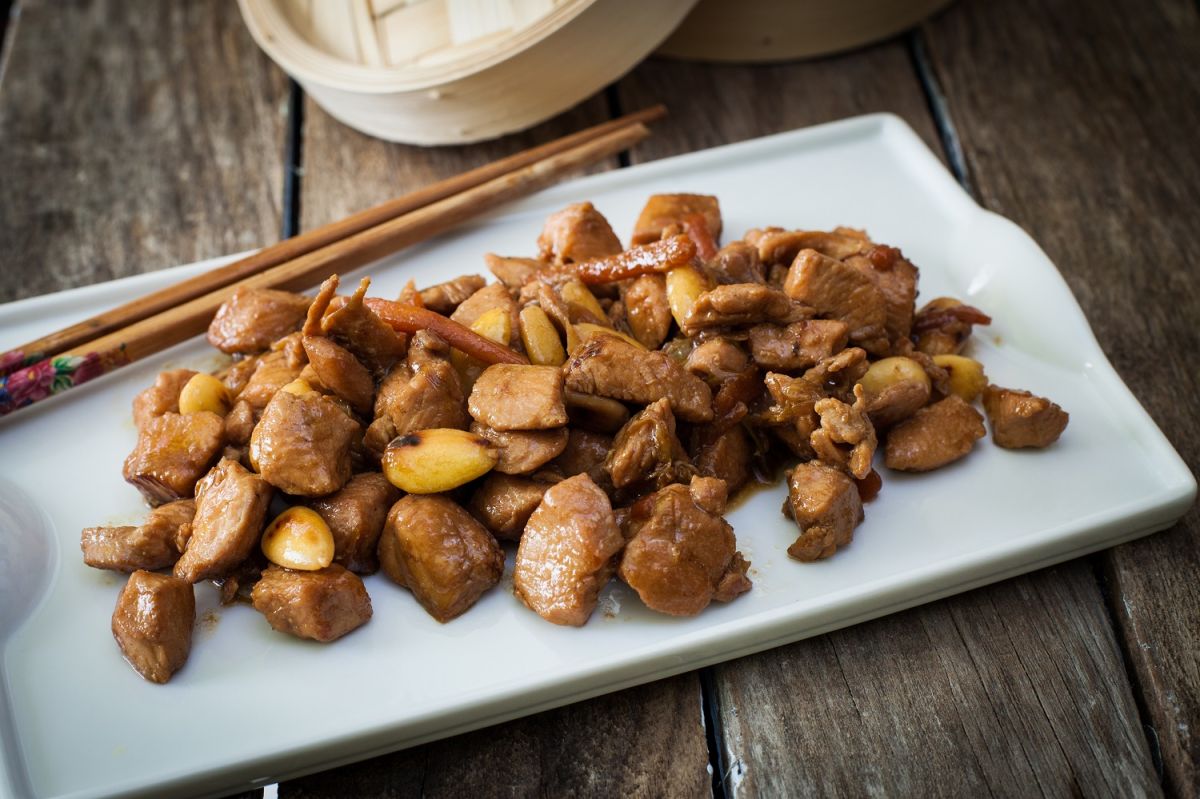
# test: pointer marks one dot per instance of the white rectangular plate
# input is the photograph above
(254, 706)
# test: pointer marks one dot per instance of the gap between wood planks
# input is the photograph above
(956, 156)
(8, 18)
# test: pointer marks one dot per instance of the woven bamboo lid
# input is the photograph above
(456, 71)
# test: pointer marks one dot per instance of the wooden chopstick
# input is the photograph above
(289, 249)
(80, 364)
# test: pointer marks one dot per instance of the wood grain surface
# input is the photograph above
(893, 706)
(1100, 163)
(133, 138)
(646, 741)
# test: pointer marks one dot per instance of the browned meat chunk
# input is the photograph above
(438, 551)
(321, 605)
(934, 436)
(430, 398)
(611, 367)
(523, 451)
(838, 291)
(740, 304)
(231, 505)
(153, 624)
(1020, 419)
(239, 424)
(825, 504)
(683, 555)
(425, 348)
(359, 330)
(272, 372)
(584, 454)
(567, 552)
(577, 233)
(302, 444)
(647, 449)
(942, 326)
(173, 451)
(445, 297)
(160, 398)
(236, 375)
(778, 246)
(647, 310)
(799, 345)
(355, 516)
(150, 546)
(486, 299)
(663, 210)
(717, 360)
(727, 457)
(504, 503)
(339, 371)
(516, 397)
(846, 438)
(252, 319)
(896, 278)
(513, 272)
(737, 262)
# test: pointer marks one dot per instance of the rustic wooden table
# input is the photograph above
(139, 135)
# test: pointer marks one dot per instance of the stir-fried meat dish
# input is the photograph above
(594, 410)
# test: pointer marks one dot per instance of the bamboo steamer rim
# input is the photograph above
(302, 60)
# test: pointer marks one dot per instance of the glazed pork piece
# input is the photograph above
(523, 451)
(577, 233)
(516, 397)
(799, 345)
(337, 370)
(504, 503)
(160, 398)
(272, 371)
(825, 504)
(741, 304)
(321, 605)
(355, 515)
(934, 436)
(1020, 419)
(440, 553)
(302, 444)
(408, 400)
(173, 451)
(231, 506)
(681, 554)
(152, 624)
(149, 546)
(727, 457)
(836, 290)
(566, 553)
(663, 210)
(611, 367)
(647, 310)
(356, 327)
(252, 319)
(445, 297)
(737, 262)
(647, 449)
(717, 360)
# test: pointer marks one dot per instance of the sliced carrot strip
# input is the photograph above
(410, 319)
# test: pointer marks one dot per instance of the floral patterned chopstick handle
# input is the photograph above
(28, 384)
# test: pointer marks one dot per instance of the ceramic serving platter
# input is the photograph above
(253, 706)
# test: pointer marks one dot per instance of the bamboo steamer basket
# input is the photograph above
(782, 30)
(456, 71)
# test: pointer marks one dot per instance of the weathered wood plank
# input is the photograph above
(1088, 140)
(646, 741)
(1012, 690)
(715, 104)
(1015, 689)
(134, 136)
(345, 171)
(628, 743)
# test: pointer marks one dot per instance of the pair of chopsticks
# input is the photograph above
(149, 324)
